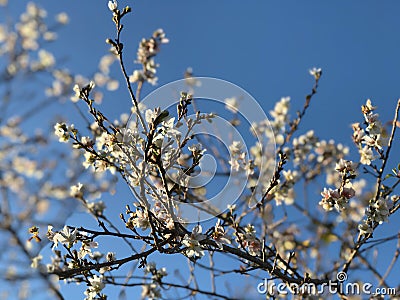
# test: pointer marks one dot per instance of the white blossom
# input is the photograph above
(36, 261)
(374, 141)
(86, 248)
(364, 228)
(197, 149)
(192, 242)
(66, 237)
(75, 190)
(151, 291)
(96, 207)
(345, 166)
(366, 155)
(236, 147)
(219, 235)
(61, 131)
(62, 18)
(316, 72)
(112, 5)
(96, 286)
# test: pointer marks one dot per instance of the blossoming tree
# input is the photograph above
(160, 152)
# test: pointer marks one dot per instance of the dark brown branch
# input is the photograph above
(119, 262)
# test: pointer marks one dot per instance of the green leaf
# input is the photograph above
(388, 176)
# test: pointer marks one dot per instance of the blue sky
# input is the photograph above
(265, 47)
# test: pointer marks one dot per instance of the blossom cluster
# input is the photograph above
(376, 213)
(68, 238)
(152, 290)
(148, 48)
(339, 198)
(371, 138)
(249, 240)
(238, 159)
(316, 156)
(192, 242)
(280, 118)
